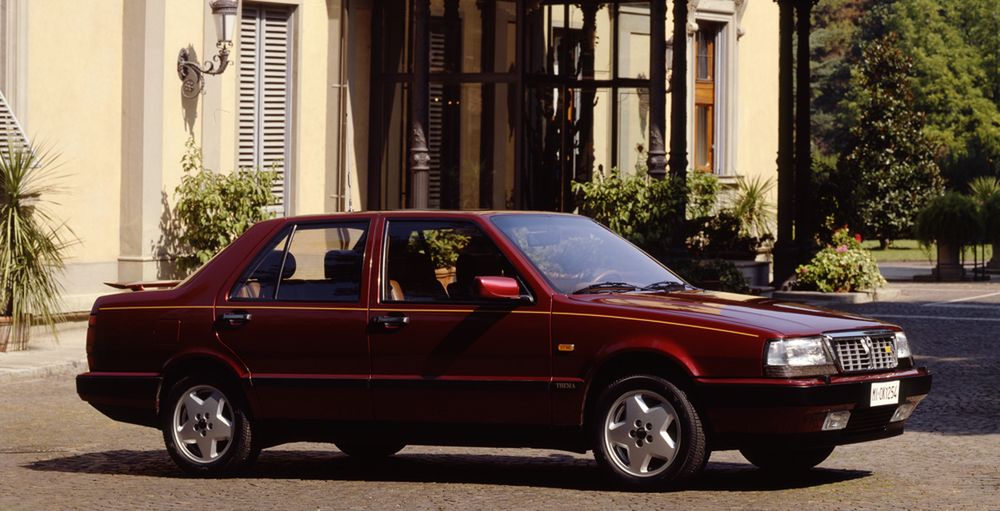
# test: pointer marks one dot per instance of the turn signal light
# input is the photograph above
(836, 420)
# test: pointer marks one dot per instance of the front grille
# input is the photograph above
(869, 352)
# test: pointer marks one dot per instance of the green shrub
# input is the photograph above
(716, 274)
(213, 209)
(637, 207)
(703, 194)
(753, 207)
(951, 218)
(843, 267)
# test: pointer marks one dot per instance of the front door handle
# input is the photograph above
(390, 322)
(234, 319)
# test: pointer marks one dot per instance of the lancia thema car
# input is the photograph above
(378, 330)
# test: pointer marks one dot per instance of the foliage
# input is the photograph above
(984, 187)
(32, 243)
(717, 274)
(721, 235)
(955, 75)
(753, 207)
(839, 268)
(637, 207)
(703, 194)
(213, 209)
(991, 220)
(443, 246)
(951, 218)
(888, 163)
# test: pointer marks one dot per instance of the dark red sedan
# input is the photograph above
(378, 330)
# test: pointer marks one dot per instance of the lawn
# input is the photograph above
(911, 250)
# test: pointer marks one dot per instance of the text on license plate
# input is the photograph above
(885, 393)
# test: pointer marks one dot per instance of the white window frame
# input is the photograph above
(728, 14)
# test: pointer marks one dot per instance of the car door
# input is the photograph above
(297, 318)
(439, 352)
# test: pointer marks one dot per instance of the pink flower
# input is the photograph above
(841, 249)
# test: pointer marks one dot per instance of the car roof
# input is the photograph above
(418, 213)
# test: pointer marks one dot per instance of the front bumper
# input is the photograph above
(747, 412)
(126, 397)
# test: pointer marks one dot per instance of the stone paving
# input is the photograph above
(58, 453)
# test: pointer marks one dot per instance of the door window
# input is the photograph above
(439, 262)
(311, 263)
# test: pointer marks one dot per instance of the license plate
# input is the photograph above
(885, 393)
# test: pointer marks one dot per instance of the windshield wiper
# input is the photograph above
(606, 286)
(665, 285)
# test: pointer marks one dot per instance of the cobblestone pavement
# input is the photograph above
(58, 453)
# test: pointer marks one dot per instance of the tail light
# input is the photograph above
(91, 334)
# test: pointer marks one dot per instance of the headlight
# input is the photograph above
(805, 356)
(902, 346)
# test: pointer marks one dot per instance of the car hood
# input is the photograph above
(752, 313)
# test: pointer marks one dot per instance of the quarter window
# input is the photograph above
(312, 263)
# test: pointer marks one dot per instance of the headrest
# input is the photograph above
(342, 265)
(268, 268)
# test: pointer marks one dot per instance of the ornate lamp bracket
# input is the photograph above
(191, 74)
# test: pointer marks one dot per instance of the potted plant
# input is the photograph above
(32, 246)
(952, 220)
(986, 192)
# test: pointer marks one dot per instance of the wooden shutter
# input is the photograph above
(11, 134)
(264, 135)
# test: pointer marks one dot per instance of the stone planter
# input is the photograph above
(949, 263)
(994, 263)
(820, 298)
(757, 273)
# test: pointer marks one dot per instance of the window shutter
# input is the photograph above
(264, 117)
(11, 135)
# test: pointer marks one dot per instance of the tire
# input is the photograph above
(636, 420)
(369, 449)
(784, 460)
(206, 427)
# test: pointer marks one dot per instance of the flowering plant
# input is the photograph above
(842, 267)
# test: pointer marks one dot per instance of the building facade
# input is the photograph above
(522, 98)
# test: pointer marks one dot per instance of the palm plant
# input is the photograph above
(983, 187)
(753, 207)
(32, 245)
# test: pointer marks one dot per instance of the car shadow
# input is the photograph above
(554, 471)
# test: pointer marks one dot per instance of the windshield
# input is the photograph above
(578, 255)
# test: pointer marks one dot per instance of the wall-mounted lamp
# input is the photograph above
(224, 13)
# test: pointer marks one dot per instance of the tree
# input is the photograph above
(949, 42)
(888, 169)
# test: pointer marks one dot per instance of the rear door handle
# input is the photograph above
(234, 319)
(390, 322)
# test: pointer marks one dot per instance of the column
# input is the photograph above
(419, 154)
(678, 121)
(784, 250)
(656, 160)
(585, 126)
(805, 219)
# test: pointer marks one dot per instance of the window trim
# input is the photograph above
(383, 273)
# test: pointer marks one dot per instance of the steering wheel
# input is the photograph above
(606, 276)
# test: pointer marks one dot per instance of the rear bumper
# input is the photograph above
(748, 412)
(126, 397)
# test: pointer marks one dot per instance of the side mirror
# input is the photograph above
(498, 288)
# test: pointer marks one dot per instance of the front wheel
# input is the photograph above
(647, 434)
(206, 428)
(779, 459)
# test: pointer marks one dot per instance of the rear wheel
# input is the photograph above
(647, 434)
(206, 427)
(780, 459)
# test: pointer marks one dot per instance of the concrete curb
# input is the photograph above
(46, 371)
